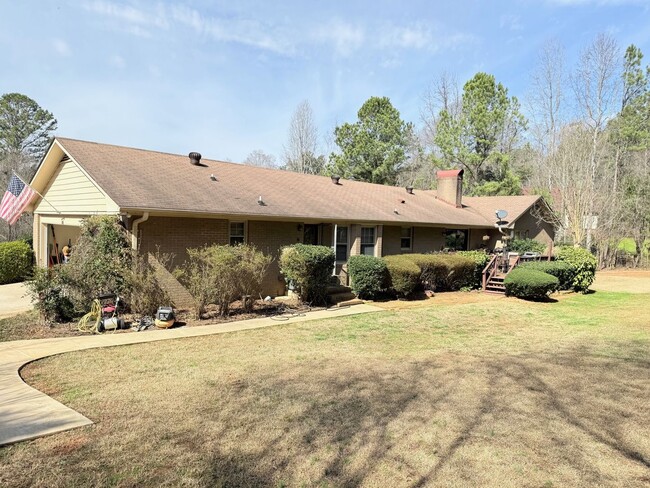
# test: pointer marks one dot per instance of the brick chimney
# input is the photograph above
(450, 186)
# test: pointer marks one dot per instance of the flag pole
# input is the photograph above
(34, 190)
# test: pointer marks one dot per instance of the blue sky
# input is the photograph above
(224, 78)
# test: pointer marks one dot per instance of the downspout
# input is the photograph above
(134, 230)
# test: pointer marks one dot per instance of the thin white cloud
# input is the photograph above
(141, 21)
(421, 36)
(247, 32)
(344, 36)
(416, 36)
(61, 47)
(155, 16)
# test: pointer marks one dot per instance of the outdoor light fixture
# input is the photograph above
(260, 201)
(213, 178)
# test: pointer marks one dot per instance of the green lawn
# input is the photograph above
(498, 392)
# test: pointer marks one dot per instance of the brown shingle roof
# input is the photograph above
(515, 205)
(138, 179)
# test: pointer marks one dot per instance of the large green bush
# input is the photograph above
(404, 274)
(368, 276)
(445, 272)
(584, 264)
(530, 284)
(49, 289)
(309, 269)
(222, 274)
(16, 259)
(480, 258)
(101, 261)
(526, 245)
(562, 270)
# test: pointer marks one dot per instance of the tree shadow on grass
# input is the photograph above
(353, 428)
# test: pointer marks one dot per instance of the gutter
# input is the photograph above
(134, 230)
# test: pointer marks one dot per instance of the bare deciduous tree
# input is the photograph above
(261, 159)
(597, 83)
(546, 99)
(300, 152)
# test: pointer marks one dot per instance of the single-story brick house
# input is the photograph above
(171, 203)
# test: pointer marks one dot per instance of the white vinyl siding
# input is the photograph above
(72, 192)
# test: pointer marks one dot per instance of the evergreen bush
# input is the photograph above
(16, 258)
(562, 270)
(309, 269)
(445, 272)
(49, 289)
(480, 258)
(530, 284)
(526, 245)
(584, 265)
(404, 274)
(368, 276)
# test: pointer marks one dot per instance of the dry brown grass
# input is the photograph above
(499, 392)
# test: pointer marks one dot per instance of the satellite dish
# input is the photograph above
(501, 214)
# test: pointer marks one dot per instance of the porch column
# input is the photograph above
(379, 241)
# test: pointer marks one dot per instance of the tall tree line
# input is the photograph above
(25, 133)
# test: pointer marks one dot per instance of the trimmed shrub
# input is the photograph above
(368, 275)
(526, 245)
(584, 265)
(49, 290)
(562, 270)
(404, 274)
(444, 272)
(222, 274)
(16, 259)
(480, 258)
(530, 284)
(309, 268)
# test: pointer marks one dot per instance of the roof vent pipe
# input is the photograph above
(195, 158)
(409, 190)
(335, 179)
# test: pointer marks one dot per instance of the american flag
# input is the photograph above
(17, 197)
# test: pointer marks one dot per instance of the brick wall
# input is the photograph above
(428, 239)
(174, 235)
(270, 237)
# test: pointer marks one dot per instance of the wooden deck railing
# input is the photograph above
(489, 270)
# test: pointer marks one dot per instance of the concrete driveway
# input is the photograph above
(14, 300)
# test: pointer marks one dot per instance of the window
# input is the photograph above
(236, 233)
(406, 241)
(310, 235)
(368, 241)
(456, 240)
(341, 244)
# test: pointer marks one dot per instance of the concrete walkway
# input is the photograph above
(14, 300)
(26, 413)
